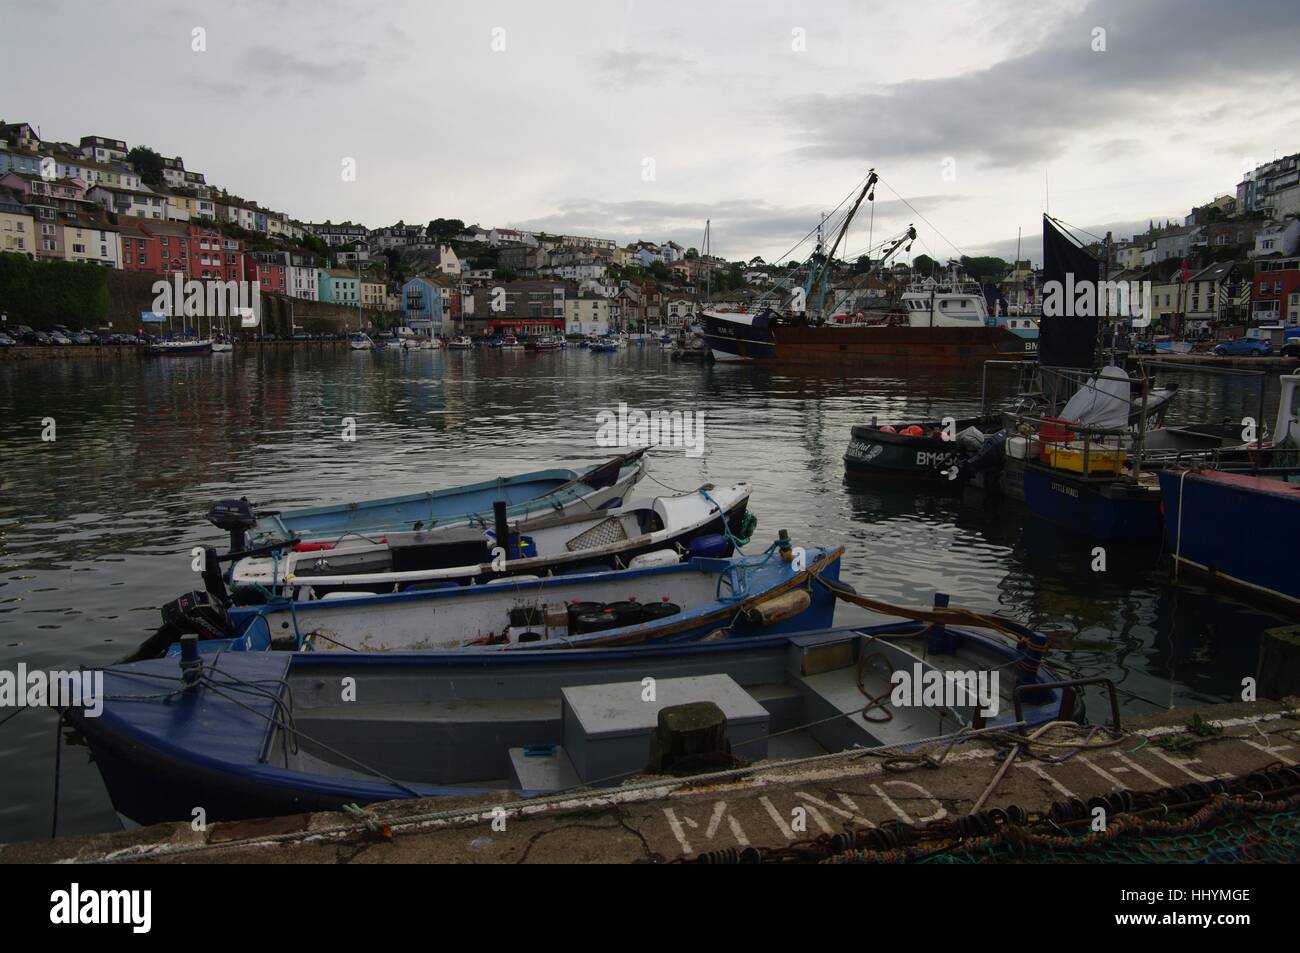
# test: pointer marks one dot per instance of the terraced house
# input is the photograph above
(17, 226)
(339, 286)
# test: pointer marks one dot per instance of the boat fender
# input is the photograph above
(888, 428)
(912, 431)
(658, 557)
(712, 544)
(779, 608)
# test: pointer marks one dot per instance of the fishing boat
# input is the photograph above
(665, 342)
(510, 343)
(460, 342)
(603, 345)
(1234, 526)
(935, 322)
(256, 734)
(360, 341)
(222, 345)
(676, 601)
(542, 492)
(929, 450)
(642, 532)
(543, 343)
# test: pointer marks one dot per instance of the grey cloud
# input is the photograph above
(1029, 108)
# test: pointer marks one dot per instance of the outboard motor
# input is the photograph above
(237, 517)
(198, 612)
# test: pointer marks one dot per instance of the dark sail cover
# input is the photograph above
(1066, 339)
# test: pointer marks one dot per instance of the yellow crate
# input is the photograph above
(1063, 457)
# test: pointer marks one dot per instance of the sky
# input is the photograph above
(627, 119)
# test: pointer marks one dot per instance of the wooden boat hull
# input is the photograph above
(1229, 527)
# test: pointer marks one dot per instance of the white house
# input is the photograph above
(1277, 238)
(301, 282)
(587, 314)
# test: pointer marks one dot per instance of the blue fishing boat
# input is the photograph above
(259, 734)
(695, 598)
(540, 492)
(1235, 526)
(1215, 527)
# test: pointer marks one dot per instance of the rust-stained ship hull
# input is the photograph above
(893, 345)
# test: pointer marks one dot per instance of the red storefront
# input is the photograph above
(526, 327)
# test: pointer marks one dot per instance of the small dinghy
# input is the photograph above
(655, 529)
(541, 492)
(260, 734)
(701, 597)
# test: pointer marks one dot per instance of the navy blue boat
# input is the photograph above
(256, 734)
(1236, 529)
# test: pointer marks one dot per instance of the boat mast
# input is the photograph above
(819, 282)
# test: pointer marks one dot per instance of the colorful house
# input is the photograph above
(425, 305)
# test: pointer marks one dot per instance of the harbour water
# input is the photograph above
(96, 525)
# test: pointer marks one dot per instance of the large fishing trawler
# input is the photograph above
(942, 321)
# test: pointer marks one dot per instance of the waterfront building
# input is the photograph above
(1275, 292)
(17, 226)
(90, 239)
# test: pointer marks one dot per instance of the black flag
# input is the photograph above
(1064, 339)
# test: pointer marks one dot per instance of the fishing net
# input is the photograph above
(1250, 819)
(1223, 832)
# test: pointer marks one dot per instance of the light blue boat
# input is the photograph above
(527, 495)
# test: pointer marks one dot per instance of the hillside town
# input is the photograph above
(1231, 263)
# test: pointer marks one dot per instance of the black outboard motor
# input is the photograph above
(237, 517)
(196, 612)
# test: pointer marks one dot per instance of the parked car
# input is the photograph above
(81, 337)
(1244, 347)
(61, 339)
(36, 337)
(6, 340)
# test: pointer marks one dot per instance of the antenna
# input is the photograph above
(1047, 193)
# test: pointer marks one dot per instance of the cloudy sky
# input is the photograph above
(627, 119)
